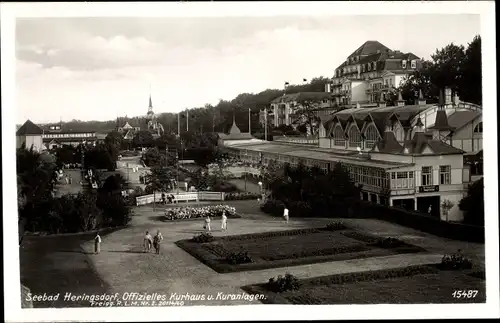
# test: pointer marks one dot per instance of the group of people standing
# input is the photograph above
(153, 242)
(223, 225)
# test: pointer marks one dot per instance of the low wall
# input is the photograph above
(185, 197)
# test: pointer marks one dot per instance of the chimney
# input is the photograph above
(419, 126)
(456, 99)
(421, 100)
(447, 96)
(382, 104)
(400, 102)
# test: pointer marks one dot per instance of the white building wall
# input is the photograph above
(35, 141)
(391, 158)
(358, 91)
(454, 214)
(398, 79)
(325, 143)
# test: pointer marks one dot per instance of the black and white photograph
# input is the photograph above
(203, 161)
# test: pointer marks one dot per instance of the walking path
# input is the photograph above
(126, 269)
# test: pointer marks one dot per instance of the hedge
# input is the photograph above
(365, 209)
(422, 222)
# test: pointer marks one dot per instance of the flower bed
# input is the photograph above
(241, 196)
(183, 213)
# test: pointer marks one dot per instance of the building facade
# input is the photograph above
(283, 110)
(410, 156)
(30, 136)
(55, 136)
(369, 73)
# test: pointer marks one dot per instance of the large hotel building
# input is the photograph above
(414, 155)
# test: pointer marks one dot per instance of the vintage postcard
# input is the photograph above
(203, 161)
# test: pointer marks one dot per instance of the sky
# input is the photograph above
(100, 68)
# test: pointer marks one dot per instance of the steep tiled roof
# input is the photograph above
(460, 119)
(369, 47)
(420, 140)
(29, 128)
(389, 144)
(441, 121)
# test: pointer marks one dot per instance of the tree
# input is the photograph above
(153, 158)
(158, 179)
(114, 138)
(143, 138)
(36, 174)
(305, 113)
(447, 205)
(473, 204)
(452, 66)
(114, 183)
(471, 81)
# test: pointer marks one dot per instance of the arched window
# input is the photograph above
(338, 135)
(371, 136)
(479, 128)
(399, 132)
(354, 137)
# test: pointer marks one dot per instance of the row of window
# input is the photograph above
(355, 139)
(371, 66)
(67, 135)
(364, 175)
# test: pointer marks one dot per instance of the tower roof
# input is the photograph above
(234, 129)
(29, 128)
(370, 47)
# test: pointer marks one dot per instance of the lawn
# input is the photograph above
(58, 264)
(289, 248)
(410, 285)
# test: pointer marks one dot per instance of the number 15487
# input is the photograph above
(465, 293)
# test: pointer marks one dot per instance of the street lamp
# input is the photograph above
(260, 187)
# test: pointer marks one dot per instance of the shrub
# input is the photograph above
(236, 258)
(455, 261)
(478, 274)
(334, 226)
(267, 235)
(318, 253)
(182, 213)
(203, 238)
(389, 243)
(355, 277)
(300, 209)
(241, 196)
(225, 187)
(283, 284)
(273, 207)
(419, 221)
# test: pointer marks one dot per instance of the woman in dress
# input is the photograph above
(224, 221)
(207, 223)
(97, 244)
(148, 241)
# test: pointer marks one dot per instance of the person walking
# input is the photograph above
(223, 225)
(97, 244)
(157, 241)
(148, 241)
(207, 224)
(285, 214)
(429, 210)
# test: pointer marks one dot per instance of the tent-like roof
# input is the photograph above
(29, 129)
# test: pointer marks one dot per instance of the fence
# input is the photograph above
(185, 197)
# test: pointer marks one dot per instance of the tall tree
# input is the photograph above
(471, 82)
(452, 66)
(473, 204)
